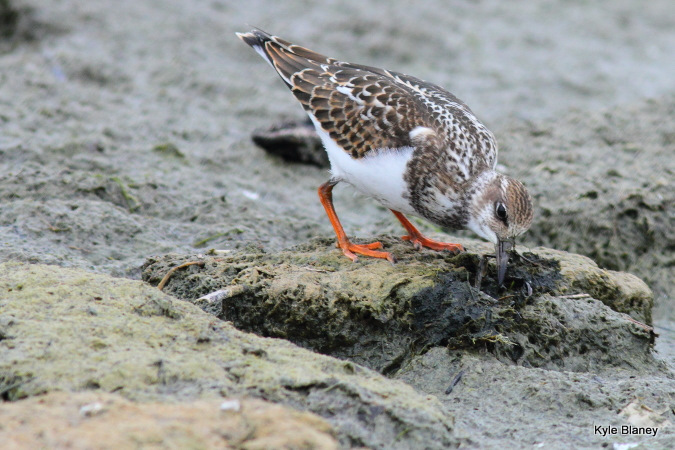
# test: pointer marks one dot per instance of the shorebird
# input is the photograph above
(411, 145)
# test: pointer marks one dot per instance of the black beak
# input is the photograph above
(501, 250)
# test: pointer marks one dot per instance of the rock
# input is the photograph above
(557, 312)
(20, 24)
(293, 141)
(98, 420)
(9, 17)
(562, 355)
(621, 291)
(71, 330)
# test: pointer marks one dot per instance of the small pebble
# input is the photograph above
(91, 409)
(230, 405)
(250, 194)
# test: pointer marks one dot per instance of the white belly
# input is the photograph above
(379, 176)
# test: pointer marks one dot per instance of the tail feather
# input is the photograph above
(256, 40)
(286, 58)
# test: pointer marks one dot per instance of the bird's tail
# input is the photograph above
(286, 58)
(257, 40)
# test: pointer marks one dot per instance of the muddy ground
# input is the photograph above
(125, 128)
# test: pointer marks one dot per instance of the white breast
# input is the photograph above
(379, 176)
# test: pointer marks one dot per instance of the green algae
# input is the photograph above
(66, 329)
(382, 315)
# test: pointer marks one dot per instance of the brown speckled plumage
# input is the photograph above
(441, 159)
(366, 109)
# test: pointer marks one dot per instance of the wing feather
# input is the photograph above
(367, 109)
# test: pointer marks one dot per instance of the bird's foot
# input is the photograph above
(420, 241)
(350, 250)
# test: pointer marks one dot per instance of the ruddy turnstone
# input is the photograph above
(411, 145)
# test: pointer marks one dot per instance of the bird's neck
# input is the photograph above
(477, 189)
(477, 186)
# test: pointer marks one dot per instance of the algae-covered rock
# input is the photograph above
(382, 315)
(97, 420)
(70, 330)
(621, 291)
(556, 345)
(293, 141)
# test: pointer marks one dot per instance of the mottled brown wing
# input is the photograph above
(366, 108)
(461, 135)
(363, 109)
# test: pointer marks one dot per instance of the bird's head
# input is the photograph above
(501, 210)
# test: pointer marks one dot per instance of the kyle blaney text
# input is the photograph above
(625, 430)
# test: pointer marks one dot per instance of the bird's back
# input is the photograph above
(367, 110)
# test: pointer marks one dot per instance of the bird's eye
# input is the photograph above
(500, 209)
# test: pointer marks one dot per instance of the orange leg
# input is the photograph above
(420, 241)
(349, 249)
